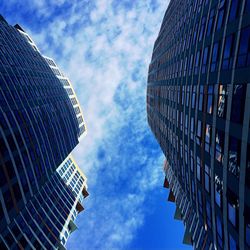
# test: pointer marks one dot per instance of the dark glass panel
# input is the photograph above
(238, 103)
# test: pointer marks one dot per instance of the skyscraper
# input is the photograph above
(39, 127)
(198, 106)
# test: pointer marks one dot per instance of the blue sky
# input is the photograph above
(104, 47)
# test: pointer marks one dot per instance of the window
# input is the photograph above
(248, 167)
(221, 15)
(231, 213)
(208, 138)
(243, 59)
(228, 53)
(197, 63)
(191, 64)
(193, 97)
(248, 234)
(198, 168)
(198, 132)
(208, 210)
(192, 128)
(219, 145)
(210, 94)
(203, 22)
(205, 60)
(219, 230)
(210, 22)
(238, 103)
(215, 55)
(182, 95)
(186, 124)
(247, 6)
(222, 101)
(200, 201)
(232, 243)
(195, 33)
(191, 161)
(201, 93)
(234, 10)
(187, 95)
(207, 178)
(234, 156)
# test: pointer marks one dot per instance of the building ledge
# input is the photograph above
(79, 207)
(85, 192)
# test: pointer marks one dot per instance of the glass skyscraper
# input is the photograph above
(40, 124)
(198, 106)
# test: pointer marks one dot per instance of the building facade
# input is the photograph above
(39, 128)
(198, 106)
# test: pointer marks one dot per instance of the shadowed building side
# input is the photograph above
(39, 128)
(198, 99)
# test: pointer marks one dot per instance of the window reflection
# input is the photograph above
(208, 138)
(219, 141)
(222, 101)
(198, 132)
(207, 178)
(210, 95)
(234, 156)
(218, 190)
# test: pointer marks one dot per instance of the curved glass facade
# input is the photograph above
(39, 127)
(198, 99)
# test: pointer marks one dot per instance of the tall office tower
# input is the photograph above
(198, 105)
(39, 127)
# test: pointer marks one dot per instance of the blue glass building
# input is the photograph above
(39, 128)
(198, 106)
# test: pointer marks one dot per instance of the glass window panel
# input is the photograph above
(244, 48)
(214, 61)
(232, 214)
(201, 97)
(238, 103)
(219, 141)
(232, 243)
(210, 99)
(222, 101)
(247, 7)
(193, 97)
(234, 10)
(210, 22)
(234, 156)
(248, 234)
(228, 51)
(208, 138)
(205, 60)
(198, 169)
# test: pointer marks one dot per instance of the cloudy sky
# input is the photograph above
(104, 47)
